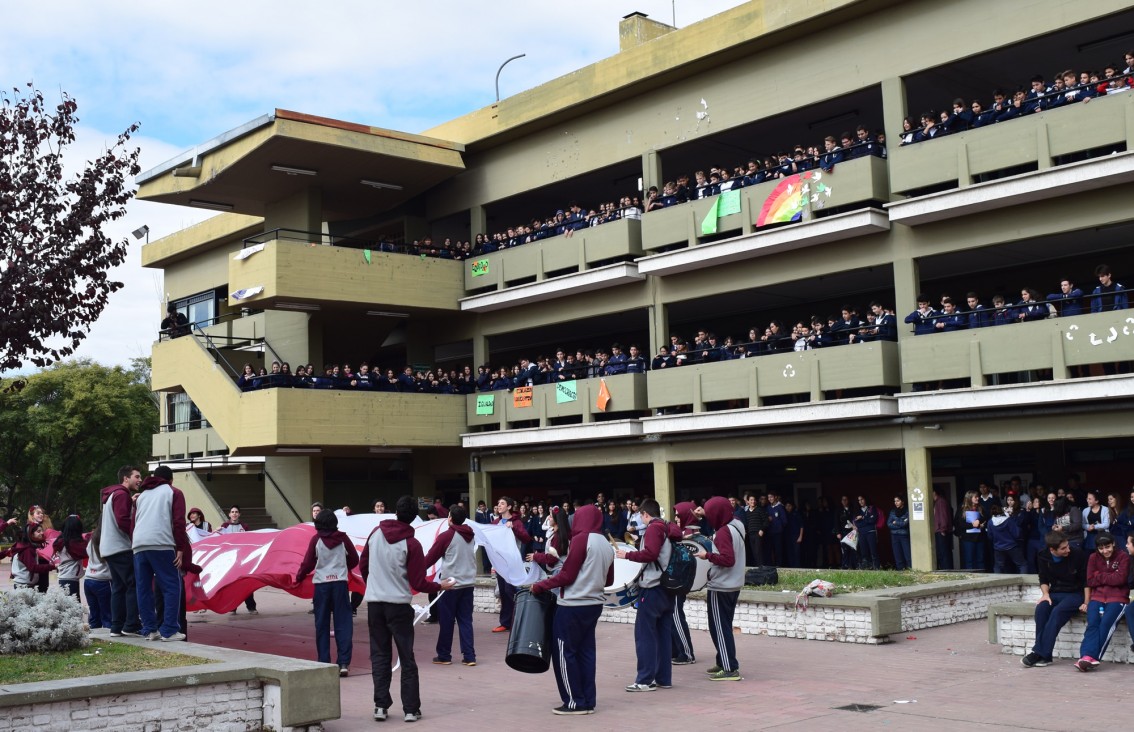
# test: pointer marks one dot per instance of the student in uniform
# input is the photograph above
(27, 565)
(726, 577)
(71, 548)
(506, 516)
(587, 569)
(457, 552)
(330, 557)
(392, 565)
(654, 605)
(235, 526)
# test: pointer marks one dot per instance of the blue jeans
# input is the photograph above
(1011, 560)
(332, 604)
(573, 654)
(1050, 619)
(868, 550)
(1102, 618)
(153, 569)
(98, 601)
(902, 557)
(651, 631)
(972, 554)
(456, 605)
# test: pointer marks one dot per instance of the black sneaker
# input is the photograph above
(564, 710)
(683, 661)
(1034, 659)
(443, 661)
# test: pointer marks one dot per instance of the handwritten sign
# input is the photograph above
(566, 391)
(485, 403)
(479, 267)
(522, 397)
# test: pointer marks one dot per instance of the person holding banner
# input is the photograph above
(330, 557)
(505, 517)
(586, 570)
(392, 566)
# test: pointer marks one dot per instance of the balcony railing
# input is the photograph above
(183, 443)
(585, 249)
(1042, 139)
(302, 276)
(549, 402)
(819, 374)
(1054, 344)
(852, 184)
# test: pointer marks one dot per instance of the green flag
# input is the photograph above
(366, 255)
(709, 225)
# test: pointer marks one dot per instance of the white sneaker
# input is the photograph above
(413, 716)
(641, 687)
(379, 714)
(174, 637)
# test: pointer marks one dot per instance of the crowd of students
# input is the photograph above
(335, 376)
(1066, 88)
(1107, 296)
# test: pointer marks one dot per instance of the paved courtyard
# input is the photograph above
(943, 678)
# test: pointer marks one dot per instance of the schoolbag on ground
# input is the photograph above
(758, 576)
(678, 576)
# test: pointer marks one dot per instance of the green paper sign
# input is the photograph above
(366, 255)
(480, 268)
(566, 391)
(730, 203)
(485, 403)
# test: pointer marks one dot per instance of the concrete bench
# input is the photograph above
(1012, 626)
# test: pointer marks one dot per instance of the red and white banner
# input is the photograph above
(235, 565)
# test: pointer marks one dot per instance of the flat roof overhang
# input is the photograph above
(234, 171)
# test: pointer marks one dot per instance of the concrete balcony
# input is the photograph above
(184, 443)
(627, 394)
(815, 374)
(853, 184)
(305, 276)
(617, 241)
(297, 421)
(1039, 139)
(1035, 347)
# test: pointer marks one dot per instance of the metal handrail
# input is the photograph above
(276, 485)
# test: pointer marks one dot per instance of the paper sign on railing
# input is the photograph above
(566, 391)
(247, 252)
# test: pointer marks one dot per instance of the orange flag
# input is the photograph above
(603, 396)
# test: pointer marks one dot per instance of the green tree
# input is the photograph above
(64, 435)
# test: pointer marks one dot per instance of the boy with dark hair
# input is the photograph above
(456, 549)
(331, 556)
(655, 605)
(1063, 593)
(116, 527)
(159, 543)
(392, 565)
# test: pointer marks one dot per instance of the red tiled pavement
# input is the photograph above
(950, 677)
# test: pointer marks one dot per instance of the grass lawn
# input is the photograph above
(110, 658)
(851, 580)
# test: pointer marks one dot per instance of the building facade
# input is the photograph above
(296, 270)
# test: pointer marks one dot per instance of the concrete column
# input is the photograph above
(919, 494)
(659, 320)
(651, 170)
(665, 492)
(301, 211)
(300, 479)
(894, 109)
(480, 489)
(478, 221)
(480, 352)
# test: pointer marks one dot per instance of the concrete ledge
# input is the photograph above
(1011, 625)
(1025, 609)
(308, 691)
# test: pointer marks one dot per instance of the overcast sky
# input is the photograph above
(189, 72)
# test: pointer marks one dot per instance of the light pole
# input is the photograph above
(501, 69)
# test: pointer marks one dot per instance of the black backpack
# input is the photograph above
(679, 574)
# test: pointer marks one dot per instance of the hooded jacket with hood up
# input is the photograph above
(727, 557)
(330, 555)
(589, 565)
